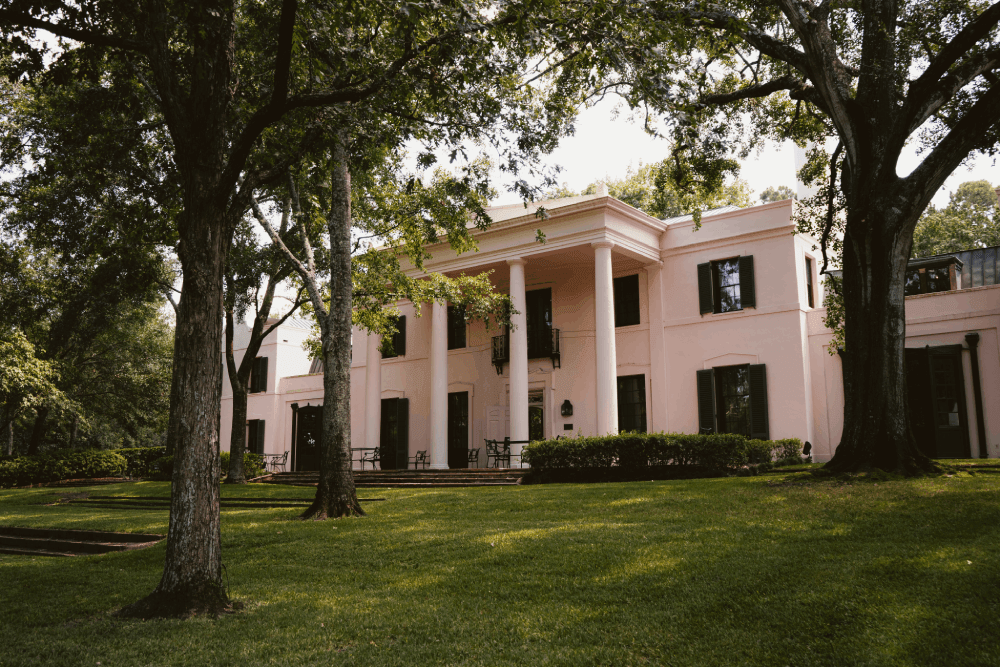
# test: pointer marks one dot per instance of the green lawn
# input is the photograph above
(739, 571)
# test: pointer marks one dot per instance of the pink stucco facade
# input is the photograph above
(672, 341)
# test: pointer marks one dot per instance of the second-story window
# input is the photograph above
(726, 281)
(726, 285)
(258, 376)
(456, 327)
(810, 293)
(626, 291)
(395, 346)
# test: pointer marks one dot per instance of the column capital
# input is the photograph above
(602, 244)
(654, 266)
(516, 261)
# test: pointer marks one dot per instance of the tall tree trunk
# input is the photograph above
(192, 573)
(238, 383)
(336, 495)
(73, 429)
(877, 431)
(38, 430)
(9, 444)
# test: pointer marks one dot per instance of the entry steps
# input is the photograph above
(370, 479)
(59, 542)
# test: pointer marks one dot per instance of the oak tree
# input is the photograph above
(873, 76)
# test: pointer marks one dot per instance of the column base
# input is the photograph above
(439, 466)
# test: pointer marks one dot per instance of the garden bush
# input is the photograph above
(60, 465)
(716, 453)
(253, 465)
(139, 460)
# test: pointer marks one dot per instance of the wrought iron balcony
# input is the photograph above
(542, 342)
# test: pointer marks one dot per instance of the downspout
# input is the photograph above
(977, 391)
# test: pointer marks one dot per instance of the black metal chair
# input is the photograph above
(374, 456)
(274, 461)
(498, 451)
(420, 458)
(474, 457)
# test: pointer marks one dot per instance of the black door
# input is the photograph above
(536, 422)
(309, 427)
(632, 403)
(394, 438)
(458, 429)
(936, 392)
(538, 313)
(919, 396)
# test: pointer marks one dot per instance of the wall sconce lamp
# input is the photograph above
(567, 409)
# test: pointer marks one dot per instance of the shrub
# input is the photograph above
(162, 468)
(253, 464)
(139, 460)
(60, 465)
(716, 453)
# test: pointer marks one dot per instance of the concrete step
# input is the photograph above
(459, 477)
(61, 542)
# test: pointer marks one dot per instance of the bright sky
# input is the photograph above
(605, 146)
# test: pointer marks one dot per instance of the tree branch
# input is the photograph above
(759, 90)
(964, 137)
(959, 45)
(13, 18)
(922, 103)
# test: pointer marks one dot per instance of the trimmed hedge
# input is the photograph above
(714, 454)
(86, 463)
(59, 465)
(140, 459)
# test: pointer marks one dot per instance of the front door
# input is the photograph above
(458, 429)
(394, 438)
(308, 438)
(936, 393)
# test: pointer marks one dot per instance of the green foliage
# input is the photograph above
(715, 453)
(834, 318)
(780, 193)
(60, 465)
(253, 464)
(652, 190)
(970, 220)
(25, 380)
(162, 468)
(139, 460)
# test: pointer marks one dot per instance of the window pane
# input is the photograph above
(626, 293)
(726, 279)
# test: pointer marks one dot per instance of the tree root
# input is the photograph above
(334, 509)
(203, 600)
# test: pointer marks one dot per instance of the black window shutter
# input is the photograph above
(254, 373)
(758, 402)
(706, 401)
(748, 290)
(399, 340)
(251, 435)
(259, 446)
(705, 288)
(262, 376)
(402, 433)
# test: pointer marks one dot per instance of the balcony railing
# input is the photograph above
(542, 342)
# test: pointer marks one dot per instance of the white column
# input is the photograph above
(439, 385)
(657, 353)
(373, 390)
(518, 358)
(606, 376)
